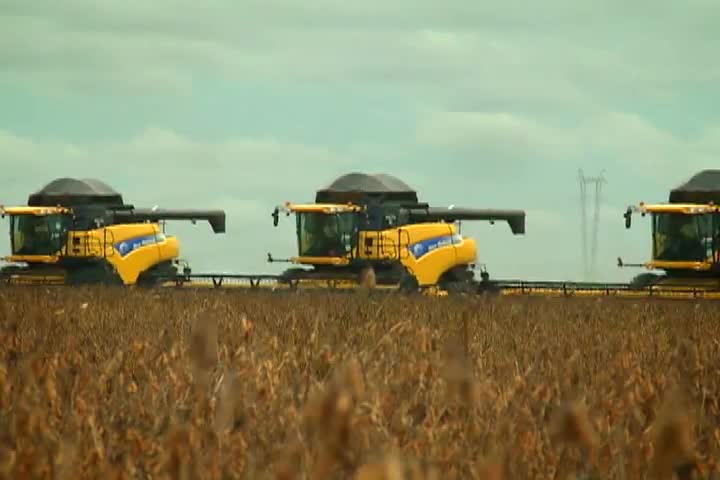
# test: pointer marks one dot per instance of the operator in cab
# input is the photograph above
(683, 240)
(326, 238)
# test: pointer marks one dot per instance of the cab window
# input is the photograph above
(38, 235)
(326, 235)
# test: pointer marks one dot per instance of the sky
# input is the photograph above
(245, 105)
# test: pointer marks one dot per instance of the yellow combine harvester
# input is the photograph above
(367, 222)
(81, 232)
(685, 237)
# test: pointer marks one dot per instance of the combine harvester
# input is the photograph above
(361, 223)
(75, 232)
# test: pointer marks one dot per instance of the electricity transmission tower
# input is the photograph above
(589, 263)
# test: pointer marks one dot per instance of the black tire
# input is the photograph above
(458, 288)
(95, 274)
(487, 288)
(408, 283)
(458, 281)
(157, 274)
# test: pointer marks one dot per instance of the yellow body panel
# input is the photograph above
(427, 250)
(146, 246)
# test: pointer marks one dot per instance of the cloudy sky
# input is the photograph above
(243, 105)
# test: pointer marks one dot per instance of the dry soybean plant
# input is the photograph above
(114, 383)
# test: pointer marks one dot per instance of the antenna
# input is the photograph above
(589, 266)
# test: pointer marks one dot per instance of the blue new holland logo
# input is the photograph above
(424, 247)
(128, 246)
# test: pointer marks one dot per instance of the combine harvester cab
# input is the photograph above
(685, 237)
(81, 232)
(362, 223)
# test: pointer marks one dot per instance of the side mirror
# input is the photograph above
(275, 215)
(628, 217)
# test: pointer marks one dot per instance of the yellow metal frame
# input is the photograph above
(684, 209)
(659, 264)
(49, 259)
(321, 260)
(327, 208)
(38, 211)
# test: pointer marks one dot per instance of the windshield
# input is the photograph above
(326, 235)
(38, 235)
(679, 237)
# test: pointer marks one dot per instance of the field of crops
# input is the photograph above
(129, 384)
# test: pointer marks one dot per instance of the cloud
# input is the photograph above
(157, 157)
(550, 56)
(508, 102)
(501, 134)
(619, 141)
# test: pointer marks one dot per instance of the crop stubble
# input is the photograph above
(111, 383)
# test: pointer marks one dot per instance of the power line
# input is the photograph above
(589, 264)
